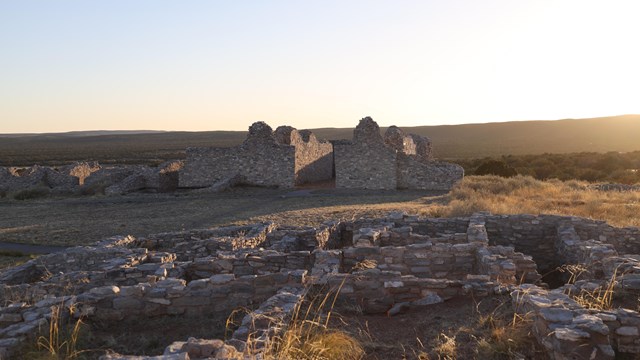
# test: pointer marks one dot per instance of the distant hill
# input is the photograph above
(616, 133)
(83, 133)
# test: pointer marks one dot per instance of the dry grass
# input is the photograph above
(600, 298)
(308, 336)
(12, 258)
(60, 341)
(524, 194)
(305, 335)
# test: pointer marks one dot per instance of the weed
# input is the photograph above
(446, 347)
(365, 264)
(33, 193)
(524, 194)
(60, 342)
(307, 335)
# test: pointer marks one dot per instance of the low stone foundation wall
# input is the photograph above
(562, 326)
(378, 266)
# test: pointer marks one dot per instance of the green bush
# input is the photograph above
(496, 167)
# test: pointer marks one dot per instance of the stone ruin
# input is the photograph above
(284, 158)
(396, 161)
(287, 157)
(382, 265)
(88, 177)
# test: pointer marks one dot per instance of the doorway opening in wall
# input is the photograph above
(319, 173)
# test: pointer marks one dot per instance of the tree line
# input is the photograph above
(614, 167)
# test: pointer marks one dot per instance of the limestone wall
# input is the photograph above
(314, 159)
(249, 263)
(529, 234)
(365, 162)
(430, 175)
(397, 161)
(266, 165)
(565, 329)
(626, 240)
(437, 261)
(284, 158)
(376, 291)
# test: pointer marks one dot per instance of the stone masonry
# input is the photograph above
(400, 161)
(383, 265)
(284, 159)
(91, 178)
(365, 162)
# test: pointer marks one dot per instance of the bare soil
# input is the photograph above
(460, 328)
(83, 220)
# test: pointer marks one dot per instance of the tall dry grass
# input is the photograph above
(524, 194)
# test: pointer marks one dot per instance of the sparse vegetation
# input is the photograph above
(74, 221)
(496, 167)
(524, 194)
(60, 340)
(612, 167)
(10, 258)
(33, 193)
(456, 329)
(308, 334)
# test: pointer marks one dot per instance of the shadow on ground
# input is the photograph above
(84, 220)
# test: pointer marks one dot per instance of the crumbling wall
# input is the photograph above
(365, 162)
(395, 138)
(81, 170)
(430, 175)
(565, 329)
(626, 240)
(12, 179)
(423, 147)
(313, 158)
(530, 234)
(260, 161)
(415, 170)
(397, 161)
(436, 261)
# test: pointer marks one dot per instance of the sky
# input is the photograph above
(221, 65)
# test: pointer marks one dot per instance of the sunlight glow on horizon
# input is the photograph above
(159, 65)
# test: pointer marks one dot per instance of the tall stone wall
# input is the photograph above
(394, 137)
(423, 147)
(284, 158)
(313, 158)
(259, 161)
(365, 162)
(415, 168)
(395, 161)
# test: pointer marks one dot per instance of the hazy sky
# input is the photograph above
(207, 65)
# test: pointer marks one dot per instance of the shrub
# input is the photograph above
(496, 167)
(33, 193)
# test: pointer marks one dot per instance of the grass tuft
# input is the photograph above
(60, 342)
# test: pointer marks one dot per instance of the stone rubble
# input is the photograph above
(385, 265)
